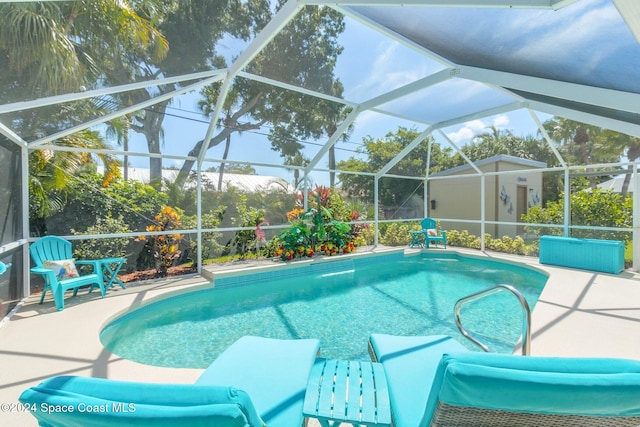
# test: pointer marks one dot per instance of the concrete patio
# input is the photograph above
(579, 313)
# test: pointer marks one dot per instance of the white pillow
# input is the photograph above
(64, 268)
(432, 232)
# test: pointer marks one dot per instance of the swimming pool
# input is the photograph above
(339, 302)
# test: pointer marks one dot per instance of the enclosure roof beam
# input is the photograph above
(547, 138)
(406, 150)
(295, 88)
(480, 114)
(122, 112)
(344, 126)
(608, 98)
(69, 97)
(459, 151)
(507, 4)
(591, 119)
(630, 11)
(6, 131)
(408, 89)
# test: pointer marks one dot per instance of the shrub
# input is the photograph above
(103, 248)
(396, 234)
(588, 208)
(463, 239)
(161, 251)
(211, 246)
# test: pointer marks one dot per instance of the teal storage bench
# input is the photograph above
(606, 256)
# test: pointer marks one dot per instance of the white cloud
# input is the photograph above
(463, 134)
(501, 121)
(475, 127)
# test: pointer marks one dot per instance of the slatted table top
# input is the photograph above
(348, 391)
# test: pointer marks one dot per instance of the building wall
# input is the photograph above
(459, 198)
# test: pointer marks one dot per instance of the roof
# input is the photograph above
(578, 59)
(242, 182)
(615, 184)
(494, 159)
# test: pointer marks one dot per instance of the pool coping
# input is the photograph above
(579, 313)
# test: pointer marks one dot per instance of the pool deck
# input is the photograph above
(579, 313)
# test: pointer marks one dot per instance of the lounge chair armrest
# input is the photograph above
(41, 270)
(47, 274)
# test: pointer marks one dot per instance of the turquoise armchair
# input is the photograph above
(53, 260)
(429, 233)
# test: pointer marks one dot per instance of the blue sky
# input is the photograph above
(371, 64)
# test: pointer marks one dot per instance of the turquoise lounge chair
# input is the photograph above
(430, 387)
(273, 372)
(53, 260)
(67, 401)
(255, 381)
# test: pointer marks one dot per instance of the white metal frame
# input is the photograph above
(623, 101)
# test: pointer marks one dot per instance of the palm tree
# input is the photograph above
(57, 47)
(119, 129)
(49, 171)
(330, 127)
(298, 160)
(630, 146)
(51, 48)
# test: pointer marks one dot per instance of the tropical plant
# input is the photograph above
(50, 172)
(296, 241)
(86, 199)
(161, 251)
(316, 229)
(246, 241)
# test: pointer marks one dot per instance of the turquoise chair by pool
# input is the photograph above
(429, 233)
(433, 381)
(53, 260)
(255, 381)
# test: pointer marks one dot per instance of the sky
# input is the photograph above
(370, 65)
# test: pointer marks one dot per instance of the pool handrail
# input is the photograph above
(526, 323)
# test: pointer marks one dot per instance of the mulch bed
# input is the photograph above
(136, 276)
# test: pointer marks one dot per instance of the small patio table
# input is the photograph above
(416, 239)
(110, 268)
(342, 391)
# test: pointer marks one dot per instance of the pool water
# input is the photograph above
(341, 304)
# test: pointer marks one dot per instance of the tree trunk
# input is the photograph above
(224, 157)
(332, 166)
(188, 164)
(625, 184)
(152, 130)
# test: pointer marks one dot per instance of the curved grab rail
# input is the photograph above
(526, 323)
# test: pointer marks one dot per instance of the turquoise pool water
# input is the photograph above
(339, 302)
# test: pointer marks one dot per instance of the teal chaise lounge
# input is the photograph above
(256, 381)
(68, 401)
(433, 381)
(273, 372)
